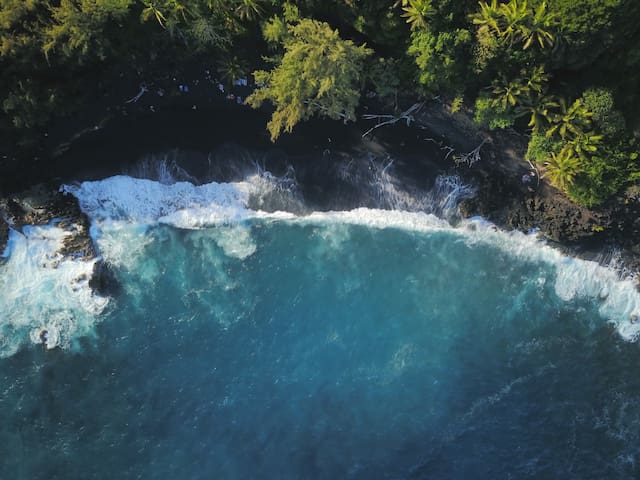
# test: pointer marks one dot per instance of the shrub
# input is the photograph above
(604, 175)
(541, 147)
(607, 119)
(492, 116)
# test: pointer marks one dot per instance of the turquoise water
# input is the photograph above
(365, 344)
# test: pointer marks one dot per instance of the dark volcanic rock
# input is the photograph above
(79, 244)
(4, 234)
(503, 199)
(104, 280)
(574, 229)
(42, 205)
(326, 179)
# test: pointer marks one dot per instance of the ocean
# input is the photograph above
(249, 336)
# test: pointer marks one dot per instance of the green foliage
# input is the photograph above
(587, 27)
(488, 19)
(28, 104)
(508, 94)
(514, 23)
(570, 120)
(78, 26)
(524, 95)
(516, 59)
(561, 169)
(605, 174)
(585, 145)
(538, 29)
(536, 79)
(290, 12)
(52, 53)
(43, 46)
(606, 118)
(383, 75)
(232, 68)
(491, 115)
(441, 45)
(20, 22)
(417, 12)
(152, 10)
(456, 105)
(249, 9)
(542, 146)
(575, 155)
(318, 74)
(441, 58)
(540, 109)
(201, 23)
(275, 30)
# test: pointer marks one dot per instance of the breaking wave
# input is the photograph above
(122, 209)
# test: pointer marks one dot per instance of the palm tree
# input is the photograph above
(585, 145)
(537, 28)
(206, 33)
(509, 94)
(540, 111)
(570, 120)
(170, 14)
(249, 9)
(515, 22)
(151, 10)
(562, 168)
(232, 68)
(488, 18)
(537, 80)
(417, 12)
(514, 15)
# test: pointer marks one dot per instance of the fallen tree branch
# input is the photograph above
(143, 90)
(448, 149)
(472, 157)
(407, 116)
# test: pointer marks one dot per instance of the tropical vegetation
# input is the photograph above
(561, 72)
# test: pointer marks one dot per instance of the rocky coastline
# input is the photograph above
(609, 232)
(428, 146)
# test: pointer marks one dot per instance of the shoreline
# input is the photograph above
(424, 150)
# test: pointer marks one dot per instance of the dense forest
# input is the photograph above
(565, 73)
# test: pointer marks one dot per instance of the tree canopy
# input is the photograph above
(563, 72)
(319, 73)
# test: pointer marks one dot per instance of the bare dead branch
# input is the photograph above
(143, 90)
(472, 157)
(383, 120)
(449, 151)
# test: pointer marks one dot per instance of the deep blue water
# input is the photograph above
(282, 349)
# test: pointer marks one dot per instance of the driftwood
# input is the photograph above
(444, 147)
(472, 157)
(468, 159)
(143, 90)
(383, 120)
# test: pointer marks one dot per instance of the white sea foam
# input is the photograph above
(381, 219)
(117, 203)
(121, 243)
(181, 204)
(39, 289)
(42, 290)
(235, 241)
(225, 204)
